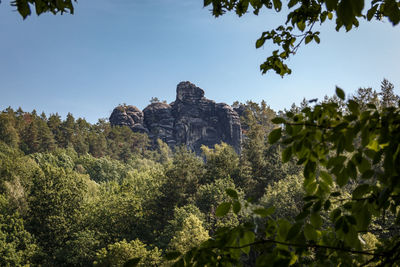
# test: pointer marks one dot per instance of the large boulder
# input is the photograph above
(130, 116)
(191, 120)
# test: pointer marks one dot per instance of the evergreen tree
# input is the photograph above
(388, 97)
(366, 96)
(8, 133)
(54, 123)
(31, 140)
(45, 136)
(68, 131)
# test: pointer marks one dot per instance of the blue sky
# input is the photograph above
(127, 51)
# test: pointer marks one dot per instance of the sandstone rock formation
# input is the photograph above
(191, 120)
(129, 116)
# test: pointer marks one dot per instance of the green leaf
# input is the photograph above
(364, 166)
(232, 193)
(283, 228)
(316, 220)
(292, 3)
(310, 232)
(301, 25)
(364, 218)
(316, 38)
(308, 39)
(260, 42)
(351, 219)
(207, 2)
(345, 13)
(331, 4)
(367, 174)
(342, 178)
(317, 206)
(264, 212)
(277, 5)
(335, 194)
(247, 238)
(327, 204)
(326, 177)
(286, 154)
(371, 12)
(278, 120)
(275, 135)
(223, 209)
(340, 93)
(354, 107)
(172, 255)
(23, 8)
(335, 213)
(236, 207)
(294, 231)
(309, 170)
(132, 262)
(361, 190)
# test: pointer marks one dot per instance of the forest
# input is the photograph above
(74, 193)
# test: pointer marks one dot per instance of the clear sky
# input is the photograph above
(127, 51)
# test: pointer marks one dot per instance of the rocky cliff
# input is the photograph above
(191, 120)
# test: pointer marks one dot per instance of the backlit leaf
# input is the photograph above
(223, 209)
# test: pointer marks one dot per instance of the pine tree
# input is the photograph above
(388, 97)
(8, 133)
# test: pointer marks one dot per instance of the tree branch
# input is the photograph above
(352, 251)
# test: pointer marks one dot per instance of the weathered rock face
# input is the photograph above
(191, 120)
(129, 116)
(160, 122)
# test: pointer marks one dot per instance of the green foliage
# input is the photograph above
(119, 253)
(53, 6)
(210, 196)
(180, 214)
(80, 249)
(115, 213)
(221, 162)
(302, 17)
(286, 196)
(57, 198)
(104, 169)
(17, 245)
(182, 178)
(33, 133)
(192, 234)
(8, 133)
(388, 97)
(354, 149)
(260, 162)
(74, 201)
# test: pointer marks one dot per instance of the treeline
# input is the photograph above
(32, 133)
(79, 194)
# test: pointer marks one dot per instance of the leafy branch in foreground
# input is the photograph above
(354, 150)
(301, 17)
(43, 6)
